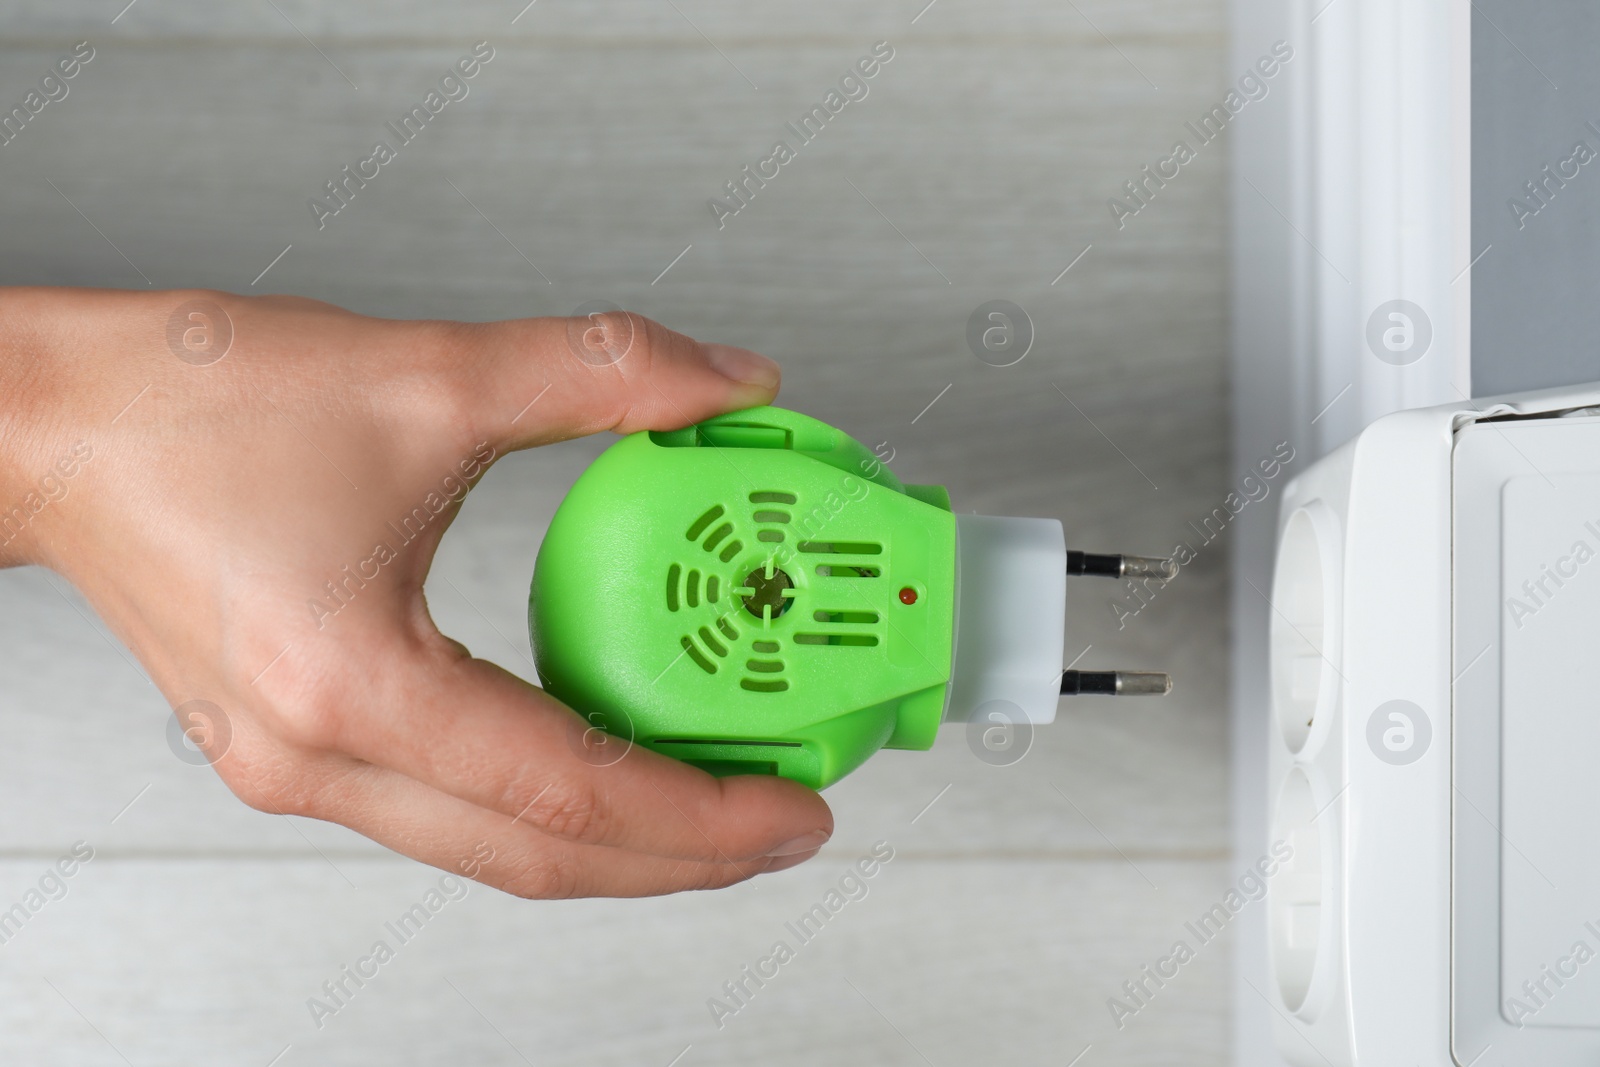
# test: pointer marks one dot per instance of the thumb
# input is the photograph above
(551, 379)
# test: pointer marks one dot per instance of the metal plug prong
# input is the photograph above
(1115, 565)
(1115, 683)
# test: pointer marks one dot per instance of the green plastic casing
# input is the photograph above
(659, 610)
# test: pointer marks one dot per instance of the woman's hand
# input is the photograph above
(250, 492)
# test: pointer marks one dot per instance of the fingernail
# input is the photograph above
(804, 843)
(743, 365)
(783, 863)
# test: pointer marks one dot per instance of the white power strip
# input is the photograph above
(1427, 743)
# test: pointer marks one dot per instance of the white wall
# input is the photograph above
(1349, 190)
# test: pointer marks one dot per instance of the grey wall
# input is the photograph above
(978, 168)
(1536, 291)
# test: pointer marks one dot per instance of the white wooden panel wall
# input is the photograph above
(991, 142)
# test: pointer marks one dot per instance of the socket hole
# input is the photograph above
(1295, 892)
(1302, 675)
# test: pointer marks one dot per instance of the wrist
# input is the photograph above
(28, 380)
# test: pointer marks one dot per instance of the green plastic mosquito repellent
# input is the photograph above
(758, 594)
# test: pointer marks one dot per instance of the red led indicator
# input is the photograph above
(908, 595)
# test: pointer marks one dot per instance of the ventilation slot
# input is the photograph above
(674, 572)
(842, 548)
(769, 535)
(699, 657)
(834, 570)
(772, 516)
(763, 685)
(772, 497)
(725, 768)
(733, 549)
(711, 588)
(691, 594)
(729, 744)
(727, 627)
(703, 521)
(859, 640)
(712, 643)
(846, 616)
(764, 646)
(764, 666)
(717, 535)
